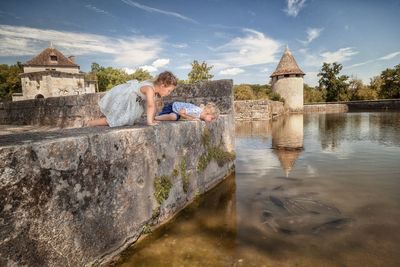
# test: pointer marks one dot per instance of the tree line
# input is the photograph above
(106, 77)
(332, 85)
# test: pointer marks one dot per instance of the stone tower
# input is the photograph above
(287, 80)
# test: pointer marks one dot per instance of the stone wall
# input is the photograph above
(72, 111)
(258, 109)
(80, 196)
(325, 108)
(366, 105)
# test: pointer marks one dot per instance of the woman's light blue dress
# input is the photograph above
(124, 103)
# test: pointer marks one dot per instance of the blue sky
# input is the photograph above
(243, 40)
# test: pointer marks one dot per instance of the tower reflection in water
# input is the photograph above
(288, 140)
(286, 133)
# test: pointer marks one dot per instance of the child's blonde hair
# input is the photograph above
(212, 109)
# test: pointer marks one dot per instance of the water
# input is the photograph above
(318, 190)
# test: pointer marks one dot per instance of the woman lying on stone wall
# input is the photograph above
(124, 104)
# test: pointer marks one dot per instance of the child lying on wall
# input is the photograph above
(181, 110)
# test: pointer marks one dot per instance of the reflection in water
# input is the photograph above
(287, 132)
(327, 213)
(287, 140)
(253, 129)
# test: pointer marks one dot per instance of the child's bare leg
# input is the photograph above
(98, 122)
(166, 117)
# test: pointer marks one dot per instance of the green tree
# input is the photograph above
(10, 81)
(261, 91)
(359, 91)
(140, 75)
(313, 94)
(336, 86)
(243, 92)
(109, 77)
(200, 72)
(390, 83)
(275, 96)
(375, 85)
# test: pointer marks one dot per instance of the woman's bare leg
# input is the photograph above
(166, 117)
(98, 122)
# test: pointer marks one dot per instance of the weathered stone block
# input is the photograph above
(76, 196)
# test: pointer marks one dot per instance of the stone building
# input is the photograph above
(52, 74)
(287, 80)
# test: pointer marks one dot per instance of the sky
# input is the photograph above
(242, 40)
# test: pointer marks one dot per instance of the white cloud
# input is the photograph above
(390, 56)
(341, 55)
(156, 10)
(311, 78)
(98, 10)
(184, 67)
(252, 49)
(231, 71)
(183, 45)
(294, 7)
(359, 64)
(312, 34)
(149, 68)
(128, 51)
(129, 70)
(161, 62)
(387, 57)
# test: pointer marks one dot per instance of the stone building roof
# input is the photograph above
(51, 57)
(287, 65)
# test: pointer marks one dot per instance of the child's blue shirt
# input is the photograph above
(190, 109)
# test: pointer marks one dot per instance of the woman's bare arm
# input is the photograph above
(150, 105)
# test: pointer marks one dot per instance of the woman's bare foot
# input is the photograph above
(97, 122)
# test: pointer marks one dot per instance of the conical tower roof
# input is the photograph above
(287, 65)
(287, 159)
(51, 57)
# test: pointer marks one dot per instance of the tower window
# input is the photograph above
(287, 75)
(53, 58)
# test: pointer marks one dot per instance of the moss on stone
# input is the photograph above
(147, 229)
(175, 173)
(185, 176)
(203, 162)
(213, 152)
(206, 137)
(221, 156)
(162, 186)
(156, 212)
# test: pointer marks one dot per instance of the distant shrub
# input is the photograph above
(243, 92)
(274, 96)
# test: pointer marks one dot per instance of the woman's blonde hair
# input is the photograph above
(212, 109)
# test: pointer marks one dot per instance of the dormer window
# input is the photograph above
(53, 58)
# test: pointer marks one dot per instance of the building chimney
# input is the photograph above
(72, 58)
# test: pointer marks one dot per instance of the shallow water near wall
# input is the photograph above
(312, 190)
